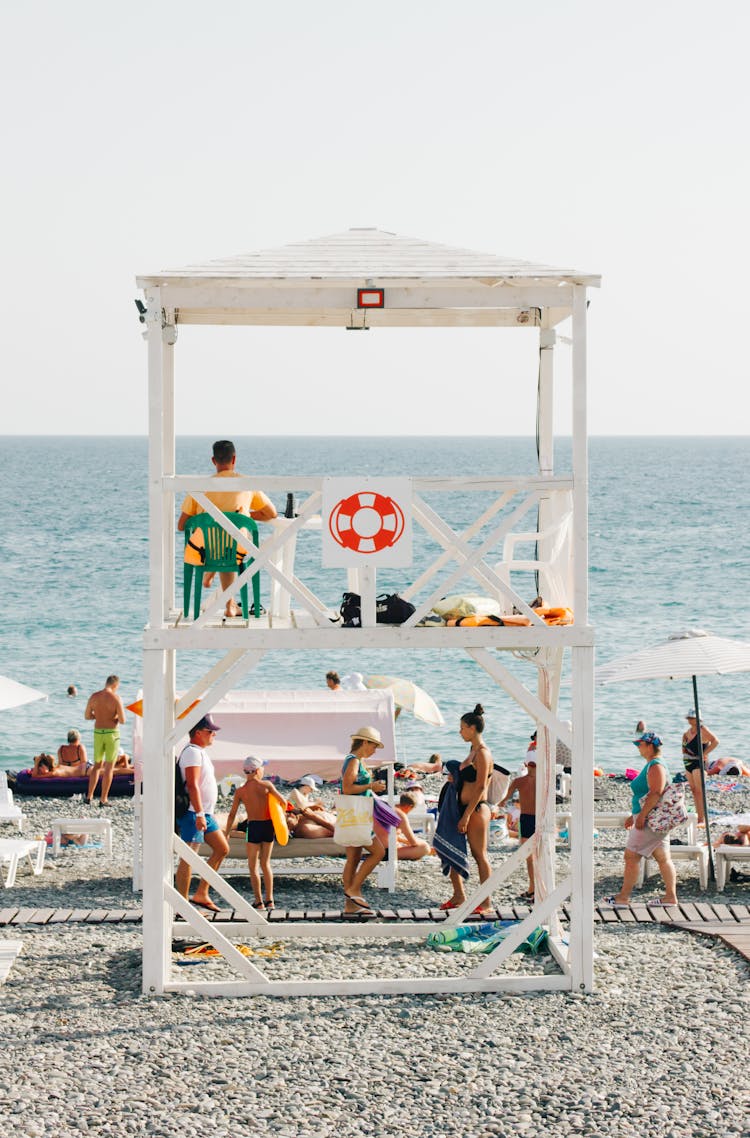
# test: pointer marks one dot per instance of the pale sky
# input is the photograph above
(611, 138)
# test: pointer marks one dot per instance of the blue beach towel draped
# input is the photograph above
(448, 843)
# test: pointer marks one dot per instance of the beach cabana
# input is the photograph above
(533, 525)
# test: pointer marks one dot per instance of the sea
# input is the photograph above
(669, 550)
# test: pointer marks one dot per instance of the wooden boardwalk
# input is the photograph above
(697, 916)
(730, 923)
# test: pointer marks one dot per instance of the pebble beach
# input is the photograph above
(85, 1052)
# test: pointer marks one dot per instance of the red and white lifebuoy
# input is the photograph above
(366, 522)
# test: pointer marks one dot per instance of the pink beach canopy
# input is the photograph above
(298, 732)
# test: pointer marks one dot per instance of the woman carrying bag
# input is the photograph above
(647, 789)
(355, 822)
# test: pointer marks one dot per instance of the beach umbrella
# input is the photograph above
(684, 655)
(13, 694)
(409, 696)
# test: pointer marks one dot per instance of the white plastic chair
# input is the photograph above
(554, 561)
(8, 811)
(13, 849)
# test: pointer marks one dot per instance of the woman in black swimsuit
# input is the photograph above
(473, 780)
(691, 757)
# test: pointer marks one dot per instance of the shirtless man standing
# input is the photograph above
(526, 786)
(105, 708)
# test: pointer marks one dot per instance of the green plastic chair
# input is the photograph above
(216, 552)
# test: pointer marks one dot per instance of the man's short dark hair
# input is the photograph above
(111, 681)
(407, 799)
(224, 450)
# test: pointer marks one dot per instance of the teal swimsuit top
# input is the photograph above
(363, 775)
(639, 785)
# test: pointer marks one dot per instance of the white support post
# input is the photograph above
(582, 822)
(580, 461)
(545, 407)
(544, 864)
(368, 592)
(157, 514)
(168, 338)
(158, 796)
(546, 438)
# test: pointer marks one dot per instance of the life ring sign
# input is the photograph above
(366, 521)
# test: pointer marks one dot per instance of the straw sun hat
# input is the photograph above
(369, 735)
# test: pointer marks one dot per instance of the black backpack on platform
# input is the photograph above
(390, 608)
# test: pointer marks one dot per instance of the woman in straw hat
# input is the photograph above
(357, 779)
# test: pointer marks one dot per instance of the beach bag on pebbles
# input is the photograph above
(669, 812)
(353, 820)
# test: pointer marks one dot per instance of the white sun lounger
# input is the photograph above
(9, 812)
(9, 950)
(13, 849)
(724, 856)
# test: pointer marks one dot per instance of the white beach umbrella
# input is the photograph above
(684, 655)
(13, 694)
(679, 657)
(409, 696)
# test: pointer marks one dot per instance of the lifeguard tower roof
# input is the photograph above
(361, 254)
(317, 282)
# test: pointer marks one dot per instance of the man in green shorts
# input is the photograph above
(105, 708)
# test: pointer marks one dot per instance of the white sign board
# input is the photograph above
(366, 521)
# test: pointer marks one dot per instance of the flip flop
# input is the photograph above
(527, 895)
(448, 905)
(358, 901)
(205, 905)
(358, 915)
(610, 901)
(487, 914)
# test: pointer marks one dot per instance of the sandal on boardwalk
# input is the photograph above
(614, 904)
(358, 901)
(450, 905)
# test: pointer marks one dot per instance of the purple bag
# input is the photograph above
(384, 813)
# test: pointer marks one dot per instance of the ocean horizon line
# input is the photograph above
(375, 435)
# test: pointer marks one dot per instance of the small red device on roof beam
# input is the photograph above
(370, 298)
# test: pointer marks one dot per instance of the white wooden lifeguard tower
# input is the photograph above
(369, 278)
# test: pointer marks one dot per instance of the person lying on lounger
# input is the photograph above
(738, 837)
(727, 765)
(309, 817)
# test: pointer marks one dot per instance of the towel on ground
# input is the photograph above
(449, 844)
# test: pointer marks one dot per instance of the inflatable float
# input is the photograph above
(23, 783)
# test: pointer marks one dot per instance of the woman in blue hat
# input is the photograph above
(647, 788)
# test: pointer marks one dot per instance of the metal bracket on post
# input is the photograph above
(547, 338)
(168, 328)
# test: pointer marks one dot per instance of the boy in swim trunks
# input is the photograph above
(105, 708)
(253, 795)
(526, 786)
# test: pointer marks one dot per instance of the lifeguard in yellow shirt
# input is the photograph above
(252, 503)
